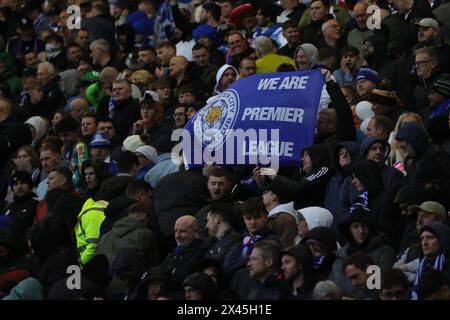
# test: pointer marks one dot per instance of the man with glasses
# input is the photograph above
(331, 36)
(427, 70)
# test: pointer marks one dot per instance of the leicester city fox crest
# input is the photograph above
(212, 122)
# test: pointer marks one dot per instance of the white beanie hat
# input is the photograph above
(133, 142)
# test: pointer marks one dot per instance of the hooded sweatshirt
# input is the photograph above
(309, 189)
(28, 289)
(311, 53)
(316, 217)
(390, 175)
(282, 221)
(427, 162)
(40, 128)
(225, 67)
(334, 185)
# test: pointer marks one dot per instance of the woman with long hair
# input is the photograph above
(398, 155)
(151, 120)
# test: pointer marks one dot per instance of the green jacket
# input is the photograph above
(87, 229)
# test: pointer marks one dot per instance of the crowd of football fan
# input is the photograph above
(88, 177)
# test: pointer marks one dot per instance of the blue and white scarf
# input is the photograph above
(247, 244)
(362, 201)
(111, 107)
(438, 265)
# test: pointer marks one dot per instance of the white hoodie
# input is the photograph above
(219, 74)
(316, 217)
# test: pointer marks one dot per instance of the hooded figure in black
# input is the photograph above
(368, 181)
(427, 165)
(333, 190)
(52, 243)
(22, 211)
(94, 280)
(422, 158)
(308, 186)
(155, 276)
(305, 273)
(362, 235)
(391, 177)
(322, 245)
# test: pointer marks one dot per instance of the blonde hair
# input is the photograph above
(398, 154)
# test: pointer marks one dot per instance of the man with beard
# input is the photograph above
(292, 35)
(164, 53)
(429, 35)
(219, 187)
(226, 75)
(375, 50)
(297, 269)
(147, 58)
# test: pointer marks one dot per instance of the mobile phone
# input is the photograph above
(399, 166)
(268, 171)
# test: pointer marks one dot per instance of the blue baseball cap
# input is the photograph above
(368, 74)
(100, 139)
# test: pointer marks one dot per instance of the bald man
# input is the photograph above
(177, 68)
(185, 230)
(189, 254)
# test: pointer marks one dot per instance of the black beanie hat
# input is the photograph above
(23, 176)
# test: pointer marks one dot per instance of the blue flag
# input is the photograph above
(265, 120)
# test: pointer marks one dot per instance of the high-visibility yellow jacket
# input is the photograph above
(87, 229)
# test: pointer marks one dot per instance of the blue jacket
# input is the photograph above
(164, 167)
